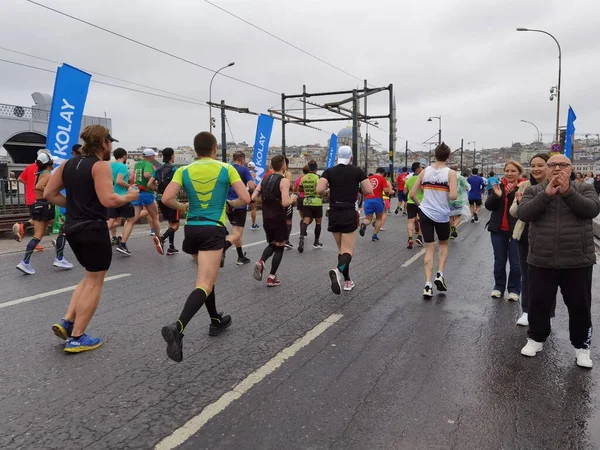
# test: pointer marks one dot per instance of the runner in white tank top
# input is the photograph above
(435, 194)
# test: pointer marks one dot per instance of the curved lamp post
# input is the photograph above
(531, 123)
(210, 95)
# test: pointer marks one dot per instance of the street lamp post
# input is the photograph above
(439, 129)
(531, 123)
(474, 151)
(210, 124)
(556, 136)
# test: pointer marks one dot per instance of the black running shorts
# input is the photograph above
(429, 229)
(289, 212)
(201, 238)
(343, 220)
(412, 210)
(125, 212)
(90, 244)
(169, 214)
(238, 217)
(475, 202)
(276, 230)
(42, 211)
(314, 212)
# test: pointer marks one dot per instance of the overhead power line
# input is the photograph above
(164, 52)
(333, 66)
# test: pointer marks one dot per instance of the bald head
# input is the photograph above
(557, 164)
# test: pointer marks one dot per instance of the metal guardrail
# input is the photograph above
(23, 113)
(12, 197)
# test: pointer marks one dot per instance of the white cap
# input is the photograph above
(149, 152)
(45, 158)
(344, 154)
(251, 165)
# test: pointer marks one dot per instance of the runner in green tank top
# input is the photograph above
(312, 206)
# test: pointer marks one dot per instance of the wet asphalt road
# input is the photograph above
(395, 372)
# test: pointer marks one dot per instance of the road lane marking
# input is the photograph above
(413, 259)
(194, 425)
(55, 292)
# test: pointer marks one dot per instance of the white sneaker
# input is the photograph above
(336, 281)
(513, 297)
(496, 294)
(62, 264)
(583, 358)
(523, 320)
(427, 292)
(25, 268)
(348, 285)
(532, 348)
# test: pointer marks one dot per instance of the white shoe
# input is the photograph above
(25, 268)
(62, 264)
(532, 348)
(583, 358)
(523, 320)
(513, 297)
(496, 294)
(336, 281)
(348, 285)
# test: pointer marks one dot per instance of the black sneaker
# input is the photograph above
(397, 210)
(288, 245)
(476, 217)
(317, 245)
(122, 248)
(301, 245)
(218, 324)
(243, 260)
(440, 283)
(363, 227)
(419, 241)
(173, 338)
(410, 244)
(172, 251)
(427, 292)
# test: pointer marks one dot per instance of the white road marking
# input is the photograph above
(413, 259)
(55, 292)
(194, 425)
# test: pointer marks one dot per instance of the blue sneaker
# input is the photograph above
(63, 329)
(84, 344)
(375, 238)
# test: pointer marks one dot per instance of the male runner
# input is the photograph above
(343, 181)
(274, 189)
(237, 217)
(477, 184)
(374, 202)
(143, 172)
(254, 226)
(300, 193)
(120, 176)
(412, 210)
(159, 182)
(312, 206)
(206, 182)
(439, 187)
(400, 181)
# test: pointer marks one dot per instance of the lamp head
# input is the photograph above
(522, 29)
(429, 120)
(230, 64)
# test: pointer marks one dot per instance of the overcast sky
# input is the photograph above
(461, 59)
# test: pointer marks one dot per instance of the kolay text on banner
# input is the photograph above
(261, 145)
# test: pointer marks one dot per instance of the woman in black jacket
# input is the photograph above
(501, 226)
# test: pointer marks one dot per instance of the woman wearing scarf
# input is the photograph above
(501, 226)
(539, 174)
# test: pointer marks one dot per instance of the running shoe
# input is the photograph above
(317, 245)
(159, 245)
(122, 248)
(289, 245)
(113, 241)
(410, 244)
(382, 229)
(258, 271)
(476, 218)
(583, 359)
(397, 210)
(83, 344)
(404, 213)
(336, 281)
(362, 229)
(25, 268)
(62, 264)
(348, 285)
(523, 320)
(419, 240)
(152, 233)
(19, 231)
(472, 220)
(374, 238)
(440, 283)
(243, 260)
(255, 227)
(513, 297)
(218, 324)
(301, 245)
(273, 281)
(532, 348)
(39, 248)
(172, 251)
(496, 294)
(174, 340)
(452, 231)
(427, 292)
(63, 329)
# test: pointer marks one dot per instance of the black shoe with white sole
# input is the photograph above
(440, 283)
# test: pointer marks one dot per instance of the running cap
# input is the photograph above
(110, 138)
(251, 165)
(344, 154)
(45, 158)
(148, 152)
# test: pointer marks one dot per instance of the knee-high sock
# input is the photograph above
(317, 232)
(33, 243)
(240, 252)
(276, 260)
(346, 272)
(343, 261)
(289, 230)
(268, 252)
(303, 228)
(192, 305)
(211, 306)
(169, 234)
(227, 245)
(60, 246)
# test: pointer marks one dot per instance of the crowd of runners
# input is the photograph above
(97, 197)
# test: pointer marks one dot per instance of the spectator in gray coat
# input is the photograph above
(561, 254)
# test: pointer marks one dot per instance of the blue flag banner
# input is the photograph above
(570, 133)
(332, 153)
(261, 145)
(70, 92)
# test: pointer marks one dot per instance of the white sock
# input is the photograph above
(429, 283)
(441, 274)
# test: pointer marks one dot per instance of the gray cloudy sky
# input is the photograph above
(461, 59)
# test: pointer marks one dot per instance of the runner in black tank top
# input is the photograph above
(88, 183)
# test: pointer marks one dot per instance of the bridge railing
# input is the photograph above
(23, 113)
